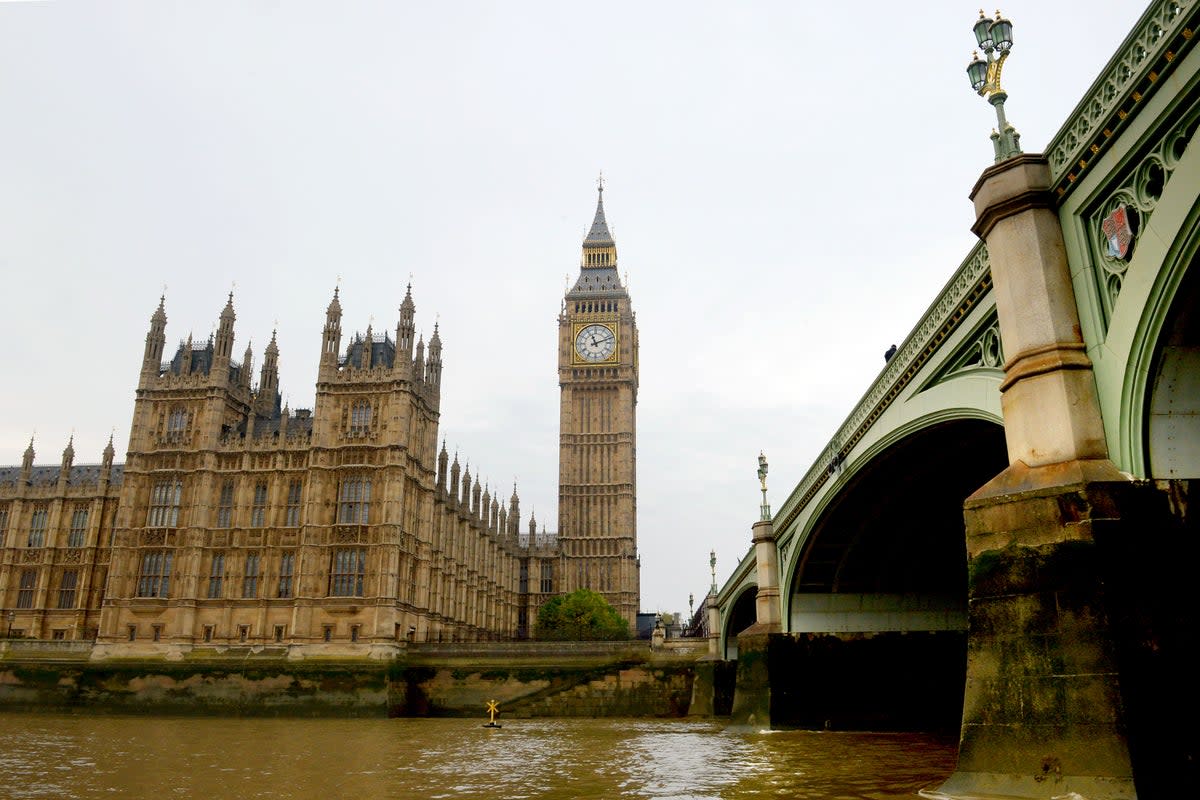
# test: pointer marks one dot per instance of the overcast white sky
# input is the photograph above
(786, 182)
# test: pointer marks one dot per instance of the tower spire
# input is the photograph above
(599, 259)
(599, 233)
(156, 339)
(331, 336)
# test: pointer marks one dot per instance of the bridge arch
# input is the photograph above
(875, 590)
(1163, 379)
(1153, 334)
(741, 615)
(884, 449)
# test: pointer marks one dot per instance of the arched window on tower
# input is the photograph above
(177, 424)
(360, 418)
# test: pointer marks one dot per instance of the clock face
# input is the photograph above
(595, 343)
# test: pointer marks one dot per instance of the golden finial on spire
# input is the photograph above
(600, 182)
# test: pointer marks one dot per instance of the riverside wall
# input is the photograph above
(600, 679)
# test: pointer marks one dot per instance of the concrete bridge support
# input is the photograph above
(1042, 713)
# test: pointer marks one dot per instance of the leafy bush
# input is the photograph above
(582, 615)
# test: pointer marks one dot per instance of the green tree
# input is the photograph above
(582, 615)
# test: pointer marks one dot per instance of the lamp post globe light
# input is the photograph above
(994, 38)
(12, 615)
(762, 479)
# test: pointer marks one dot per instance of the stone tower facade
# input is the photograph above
(598, 378)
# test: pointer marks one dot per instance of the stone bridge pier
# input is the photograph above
(1042, 703)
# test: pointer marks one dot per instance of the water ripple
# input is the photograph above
(61, 756)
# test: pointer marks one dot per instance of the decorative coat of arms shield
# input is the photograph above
(1118, 232)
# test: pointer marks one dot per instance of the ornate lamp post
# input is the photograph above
(712, 566)
(995, 40)
(762, 479)
(12, 615)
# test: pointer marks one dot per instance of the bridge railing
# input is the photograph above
(1157, 40)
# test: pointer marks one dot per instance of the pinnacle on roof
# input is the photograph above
(599, 234)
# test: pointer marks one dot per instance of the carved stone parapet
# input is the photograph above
(152, 538)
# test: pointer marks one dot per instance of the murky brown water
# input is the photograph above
(60, 756)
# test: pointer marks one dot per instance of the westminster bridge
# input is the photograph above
(996, 540)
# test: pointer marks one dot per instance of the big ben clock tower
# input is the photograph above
(597, 475)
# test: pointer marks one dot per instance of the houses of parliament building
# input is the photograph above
(235, 520)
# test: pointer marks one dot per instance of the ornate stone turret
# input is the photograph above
(476, 491)
(433, 369)
(465, 502)
(223, 342)
(156, 340)
(514, 513)
(532, 527)
(266, 399)
(405, 330)
(247, 366)
(331, 336)
(68, 460)
(494, 525)
(418, 370)
(27, 463)
(106, 462)
(443, 461)
(454, 474)
(485, 509)
(186, 362)
(366, 350)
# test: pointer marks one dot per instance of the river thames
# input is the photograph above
(86, 756)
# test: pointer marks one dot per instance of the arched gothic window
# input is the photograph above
(360, 417)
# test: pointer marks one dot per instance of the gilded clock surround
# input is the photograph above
(578, 357)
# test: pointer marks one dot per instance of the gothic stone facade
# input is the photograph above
(237, 521)
(234, 520)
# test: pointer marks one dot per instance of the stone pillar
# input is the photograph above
(752, 697)
(1042, 712)
(714, 625)
(766, 555)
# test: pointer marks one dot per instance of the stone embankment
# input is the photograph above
(600, 679)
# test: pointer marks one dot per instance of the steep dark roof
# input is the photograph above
(81, 475)
(597, 282)
(599, 234)
(383, 351)
(298, 425)
(202, 357)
